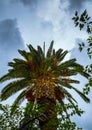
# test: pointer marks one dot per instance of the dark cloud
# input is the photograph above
(9, 34)
(31, 3)
(27, 2)
(88, 124)
(10, 41)
(77, 4)
(74, 4)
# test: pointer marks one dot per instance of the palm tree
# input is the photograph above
(43, 78)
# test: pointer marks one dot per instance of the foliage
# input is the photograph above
(44, 79)
(84, 22)
(9, 121)
(38, 72)
(28, 117)
(65, 112)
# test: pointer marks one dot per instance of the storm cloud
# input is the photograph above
(9, 34)
(73, 4)
(77, 4)
(10, 41)
(29, 3)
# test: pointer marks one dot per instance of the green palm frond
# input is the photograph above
(85, 98)
(69, 72)
(63, 54)
(34, 53)
(37, 56)
(24, 54)
(18, 63)
(14, 87)
(18, 100)
(16, 73)
(66, 85)
(68, 95)
(5, 77)
(68, 80)
(67, 64)
(41, 53)
(50, 50)
(59, 53)
(35, 67)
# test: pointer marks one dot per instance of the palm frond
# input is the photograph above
(49, 52)
(80, 69)
(67, 64)
(16, 73)
(86, 75)
(17, 63)
(67, 94)
(64, 84)
(58, 53)
(35, 65)
(24, 54)
(67, 72)
(68, 80)
(18, 100)
(37, 56)
(32, 49)
(13, 87)
(5, 77)
(86, 99)
(41, 53)
(63, 54)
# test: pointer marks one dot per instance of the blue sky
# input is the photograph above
(35, 21)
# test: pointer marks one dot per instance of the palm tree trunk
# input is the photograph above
(48, 120)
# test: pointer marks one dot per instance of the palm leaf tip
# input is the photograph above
(86, 75)
(4, 78)
(85, 98)
(49, 52)
(23, 53)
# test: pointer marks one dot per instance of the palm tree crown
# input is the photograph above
(41, 75)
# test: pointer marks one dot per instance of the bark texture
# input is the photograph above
(48, 120)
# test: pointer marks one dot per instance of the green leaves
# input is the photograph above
(83, 21)
(67, 64)
(24, 54)
(25, 72)
(66, 85)
(66, 111)
(82, 95)
(13, 87)
(9, 121)
(49, 52)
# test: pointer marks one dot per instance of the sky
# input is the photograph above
(34, 22)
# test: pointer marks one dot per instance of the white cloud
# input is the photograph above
(57, 14)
